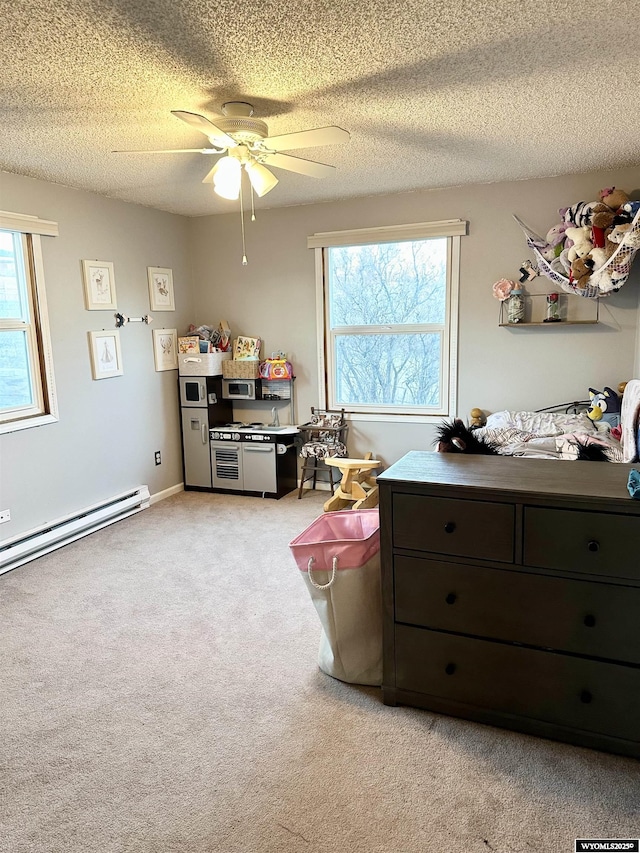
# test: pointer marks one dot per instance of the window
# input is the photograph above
(27, 393)
(389, 318)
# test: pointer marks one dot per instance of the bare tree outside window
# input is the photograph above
(387, 323)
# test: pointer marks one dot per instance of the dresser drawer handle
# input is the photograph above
(585, 696)
(450, 668)
(449, 527)
(451, 598)
(593, 545)
(589, 620)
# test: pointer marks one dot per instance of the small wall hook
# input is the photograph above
(121, 319)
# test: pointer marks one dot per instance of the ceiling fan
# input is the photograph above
(245, 142)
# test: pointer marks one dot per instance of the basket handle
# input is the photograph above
(330, 582)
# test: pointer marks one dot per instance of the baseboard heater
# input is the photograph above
(41, 540)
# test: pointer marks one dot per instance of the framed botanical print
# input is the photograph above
(160, 289)
(99, 285)
(106, 357)
(165, 349)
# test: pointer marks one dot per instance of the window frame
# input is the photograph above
(30, 229)
(452, 230)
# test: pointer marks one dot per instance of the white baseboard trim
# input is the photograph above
(166, 493)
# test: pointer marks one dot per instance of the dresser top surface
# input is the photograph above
(606, 480)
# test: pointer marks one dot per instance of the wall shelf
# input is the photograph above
(573, 312)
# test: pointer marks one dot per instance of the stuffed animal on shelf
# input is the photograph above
(605, 406)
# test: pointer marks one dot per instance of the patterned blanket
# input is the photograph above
(546, 435)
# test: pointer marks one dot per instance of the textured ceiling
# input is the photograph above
(434, 95)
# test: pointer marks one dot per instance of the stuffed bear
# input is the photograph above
(603, 217)
(605, 406)
(613, 197)
(582, 245)
(581, 270)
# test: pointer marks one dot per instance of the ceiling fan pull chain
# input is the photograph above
(253, 210)
(244, 253)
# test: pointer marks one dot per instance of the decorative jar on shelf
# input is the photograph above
(515, 306)
(553, 313)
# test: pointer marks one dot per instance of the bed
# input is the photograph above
(558, 432)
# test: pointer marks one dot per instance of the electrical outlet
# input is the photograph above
(158, 458)
(5, 515)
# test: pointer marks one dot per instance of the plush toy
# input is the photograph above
(629, 210)
(625, 232)
(581, 270)
(602, 276)
(582, 244)
(605, 406)
(579, 214)
(613, 197)
(603, 217)
(477, 418)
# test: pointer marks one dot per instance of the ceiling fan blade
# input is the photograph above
(297, 164)
(205, 126)
(262, 180)
(175, 151)
(307, 138)
(208, 178)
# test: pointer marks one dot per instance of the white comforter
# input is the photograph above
(546, 435)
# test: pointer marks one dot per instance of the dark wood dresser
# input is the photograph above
(511, 594)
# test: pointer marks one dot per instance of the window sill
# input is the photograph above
(27, 423)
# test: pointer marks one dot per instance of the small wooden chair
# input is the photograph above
(358, 488)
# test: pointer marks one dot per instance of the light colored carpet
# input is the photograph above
(160, 692)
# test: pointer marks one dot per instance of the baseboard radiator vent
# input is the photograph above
(41, 540)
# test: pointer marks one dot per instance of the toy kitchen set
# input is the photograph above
(221, 452)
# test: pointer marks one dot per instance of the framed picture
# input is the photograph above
(165, 349)
(99, 285)
(160, 289)
(106, 358)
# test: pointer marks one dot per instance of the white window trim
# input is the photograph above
(34, 227)
(451, 228)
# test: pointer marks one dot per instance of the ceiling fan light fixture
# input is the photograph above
(262, 180)
(226, 179)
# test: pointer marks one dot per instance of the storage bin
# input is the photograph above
(241, 369)
(202, 364)
(338, 556)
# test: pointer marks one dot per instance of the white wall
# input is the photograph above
(109, 429)
(524, 368)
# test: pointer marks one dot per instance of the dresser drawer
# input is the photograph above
(582, 694)
(590, 542)
(460, 528)
(594, 619)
